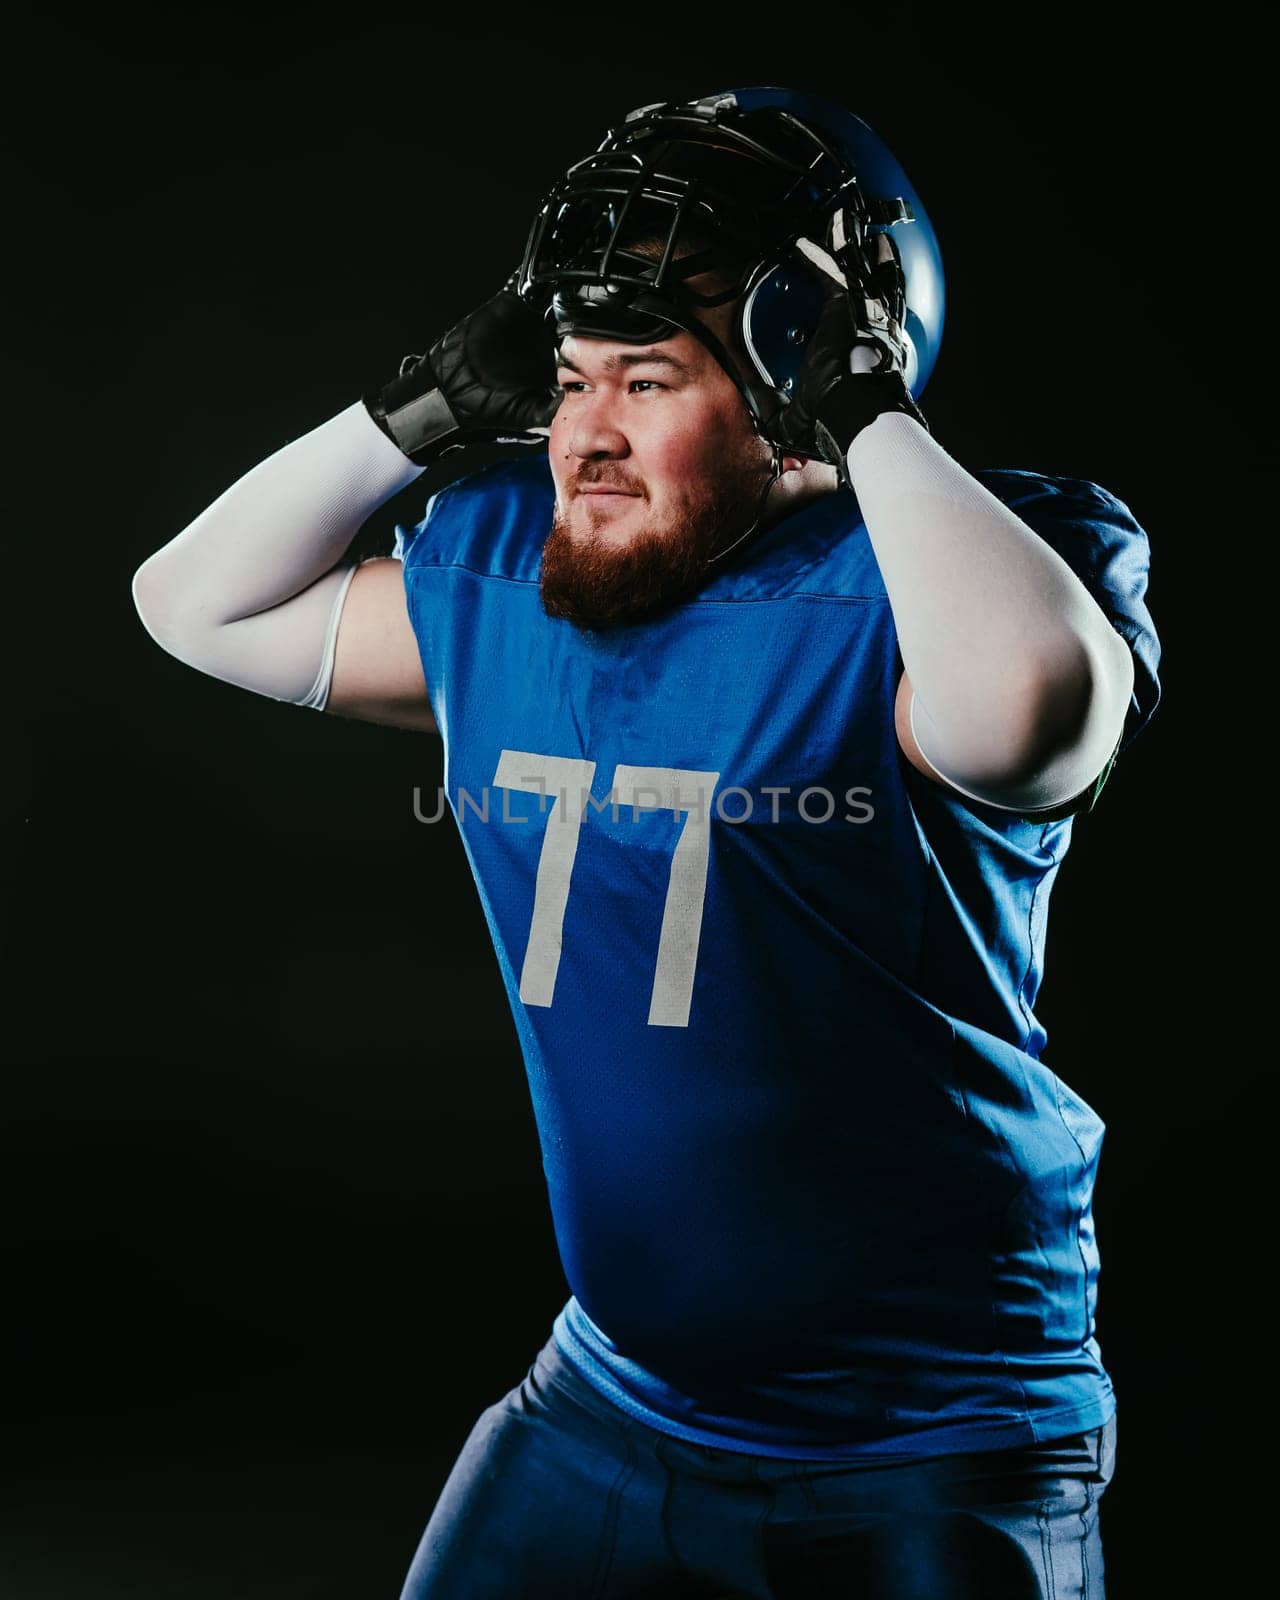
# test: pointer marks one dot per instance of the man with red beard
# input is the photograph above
(823, 1207)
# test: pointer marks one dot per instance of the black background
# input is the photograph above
(276, 1228)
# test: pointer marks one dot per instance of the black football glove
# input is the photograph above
(855, 361)
(491, 378)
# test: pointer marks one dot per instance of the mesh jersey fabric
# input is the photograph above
(815, 1191)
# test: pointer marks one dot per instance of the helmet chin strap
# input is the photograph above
(755, 410)
(776, 474)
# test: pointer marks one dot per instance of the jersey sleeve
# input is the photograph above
(1103, 543)
(408, 539)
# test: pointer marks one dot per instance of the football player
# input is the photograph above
(766, 725)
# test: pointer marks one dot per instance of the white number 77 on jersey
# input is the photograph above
(646, 789)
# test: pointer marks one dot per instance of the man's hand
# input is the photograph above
(855, 362)
(491, 378)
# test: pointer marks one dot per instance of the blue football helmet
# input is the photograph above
(751, 170)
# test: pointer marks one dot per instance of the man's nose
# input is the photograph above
(594, 428)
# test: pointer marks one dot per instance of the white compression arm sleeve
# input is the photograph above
(251, 591)
(1020, 684)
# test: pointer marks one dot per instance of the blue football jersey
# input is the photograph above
(815, 1191)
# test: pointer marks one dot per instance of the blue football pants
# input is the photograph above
(558, 1494)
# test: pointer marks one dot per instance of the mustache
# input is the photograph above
(602, 481)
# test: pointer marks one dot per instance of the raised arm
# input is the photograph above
(259, 590)
(256, 590)
(1016, 685)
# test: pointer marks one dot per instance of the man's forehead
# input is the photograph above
(581, 353)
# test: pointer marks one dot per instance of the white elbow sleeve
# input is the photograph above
(285, 653)
(1075, 769)
(252, 591)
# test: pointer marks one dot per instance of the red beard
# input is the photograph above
(597, 583)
